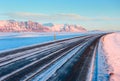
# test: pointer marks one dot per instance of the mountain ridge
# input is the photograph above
(30, 26)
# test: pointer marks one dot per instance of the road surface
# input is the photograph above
(63, 60)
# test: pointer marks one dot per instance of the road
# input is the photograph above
(62, 60)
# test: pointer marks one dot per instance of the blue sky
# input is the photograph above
(91, 14)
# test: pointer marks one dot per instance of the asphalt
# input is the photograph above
(29, 63)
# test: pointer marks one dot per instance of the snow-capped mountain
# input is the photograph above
(27, 26)
(67, 28)
(30, 26)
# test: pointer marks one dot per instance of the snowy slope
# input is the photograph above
(111, 46)
(30, 26)
(67, 28)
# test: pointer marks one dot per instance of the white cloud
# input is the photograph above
(56, 17)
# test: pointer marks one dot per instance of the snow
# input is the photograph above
(10, 41)
(111, 46)
(101, 66)
(13, 40)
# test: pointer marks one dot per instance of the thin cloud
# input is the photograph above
(57, 17)
(39, 16)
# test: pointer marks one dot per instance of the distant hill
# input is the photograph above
(48, 24)
(30, 26)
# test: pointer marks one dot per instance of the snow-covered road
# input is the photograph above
(30, 63)
(82, 58)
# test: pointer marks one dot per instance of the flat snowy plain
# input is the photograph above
(111, 47)
(10, 41)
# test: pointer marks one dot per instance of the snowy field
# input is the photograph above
(111, 47)
(10, 41)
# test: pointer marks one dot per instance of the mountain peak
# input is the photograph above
(30, 26)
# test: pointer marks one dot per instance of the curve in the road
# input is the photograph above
(31, 63)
